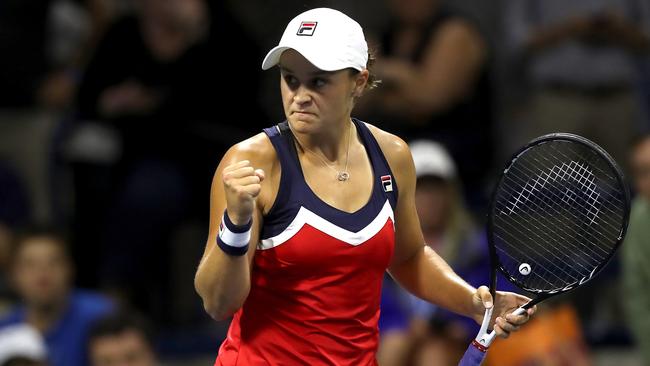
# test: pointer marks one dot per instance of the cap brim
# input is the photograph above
(315, 57)
(273, 57)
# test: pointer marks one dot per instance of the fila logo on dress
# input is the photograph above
(387, 183)
(307, 28)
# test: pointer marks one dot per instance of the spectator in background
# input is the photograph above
(44, 44)
(149, 96)
(42, 277)
(14, 212)
(21, 345)
(636, 252)
(433, 66)
(446, 223)
(121, 339)
(413, 330)
(579, 60)
(158, 69)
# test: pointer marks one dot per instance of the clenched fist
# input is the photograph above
(242, 184)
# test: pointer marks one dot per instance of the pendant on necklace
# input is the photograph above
(343, 176)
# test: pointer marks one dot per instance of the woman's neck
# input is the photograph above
(332, 142)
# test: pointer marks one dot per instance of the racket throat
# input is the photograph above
(485, 337)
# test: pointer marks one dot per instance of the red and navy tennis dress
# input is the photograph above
(317, 273)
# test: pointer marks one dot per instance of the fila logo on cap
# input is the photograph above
(307, 28)
(387, 182)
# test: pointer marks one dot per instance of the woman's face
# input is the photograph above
(313, 98)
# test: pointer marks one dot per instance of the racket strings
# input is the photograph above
(593, 163)
(556, 211)
(619, 214)
(573, 217)
(551, 260)
(560, 216)
(552, 264)
(560, 210)
(548, 230)
(535, 265)
(604, 171)
(558, 172)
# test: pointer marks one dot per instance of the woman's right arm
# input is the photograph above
(222, 280)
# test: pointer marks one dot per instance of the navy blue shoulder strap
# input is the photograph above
(282, 140)
(379, 163)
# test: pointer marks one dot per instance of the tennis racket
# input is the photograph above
(558, 213)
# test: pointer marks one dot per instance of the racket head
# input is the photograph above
(557, 215)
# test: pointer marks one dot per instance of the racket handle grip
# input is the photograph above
(473, 356)
(476, 351)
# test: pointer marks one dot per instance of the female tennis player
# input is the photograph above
(307, 216)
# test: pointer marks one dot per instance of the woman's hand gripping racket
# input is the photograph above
(558, 213)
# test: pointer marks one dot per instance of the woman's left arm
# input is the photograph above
(423, 272)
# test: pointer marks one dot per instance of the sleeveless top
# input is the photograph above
(317, 273)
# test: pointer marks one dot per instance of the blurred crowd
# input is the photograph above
(115, 113)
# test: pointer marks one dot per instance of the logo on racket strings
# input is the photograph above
(524, 269)
(387, 183)
(580, 189)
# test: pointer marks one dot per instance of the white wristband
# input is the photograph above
(237, 238)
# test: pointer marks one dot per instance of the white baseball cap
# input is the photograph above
(21, 341)
(327, 38)
(432, 159)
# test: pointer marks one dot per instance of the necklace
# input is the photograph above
(341, 175)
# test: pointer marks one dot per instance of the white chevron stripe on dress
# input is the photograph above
(305, 216)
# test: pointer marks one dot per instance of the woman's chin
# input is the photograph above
(303, 122)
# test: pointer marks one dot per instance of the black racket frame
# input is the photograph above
(494, 259)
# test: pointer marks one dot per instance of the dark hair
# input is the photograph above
(373, 81)
(40, 231)
(117, 323)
